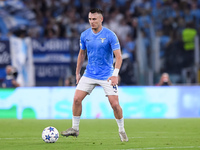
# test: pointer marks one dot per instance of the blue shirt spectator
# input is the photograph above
(10, 79)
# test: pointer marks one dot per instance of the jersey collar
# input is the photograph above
(98, 32)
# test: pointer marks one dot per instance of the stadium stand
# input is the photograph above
(137, 23)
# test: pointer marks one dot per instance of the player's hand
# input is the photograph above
(113, 79)
(78, 77)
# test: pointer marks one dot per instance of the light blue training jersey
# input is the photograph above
(100, 49)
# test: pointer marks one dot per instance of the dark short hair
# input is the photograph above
(96, 10)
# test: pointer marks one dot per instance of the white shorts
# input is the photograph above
(88, 84)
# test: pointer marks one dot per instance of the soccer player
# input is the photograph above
(99, 43)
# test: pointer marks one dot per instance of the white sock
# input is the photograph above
(120, 123)
(75, 122)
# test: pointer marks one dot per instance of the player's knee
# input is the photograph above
(77, 100)
(116, 106)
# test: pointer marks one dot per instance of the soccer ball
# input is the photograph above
(50, 134)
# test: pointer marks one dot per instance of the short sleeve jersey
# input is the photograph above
(100, 49)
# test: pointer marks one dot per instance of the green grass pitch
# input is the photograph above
(102, 134)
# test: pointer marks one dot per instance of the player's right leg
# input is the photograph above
(77, 110)
(84, 87)
(77, 103)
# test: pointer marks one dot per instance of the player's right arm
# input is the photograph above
(80, 61)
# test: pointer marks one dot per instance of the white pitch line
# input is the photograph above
(161, 148)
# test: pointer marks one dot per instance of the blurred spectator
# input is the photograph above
(188, 37)
(10, 79)
(167, 26)
(164, 80)
(129, 48)
(173, 55)
(195, 12)
(158, 15)
(181, 26)
(164, 39)
(134, 25)
(144, 22)
(175, 11)
(187, 15)
(123, 30)
(127, 76)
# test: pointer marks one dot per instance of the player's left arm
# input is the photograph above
(118, 57)
(118, 63)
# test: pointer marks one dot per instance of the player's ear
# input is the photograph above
(101, 18)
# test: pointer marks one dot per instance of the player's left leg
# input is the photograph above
(114, 102)
(112, 93)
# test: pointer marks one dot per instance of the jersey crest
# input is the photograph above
(102, 39)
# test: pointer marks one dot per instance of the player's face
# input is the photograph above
(95, 20)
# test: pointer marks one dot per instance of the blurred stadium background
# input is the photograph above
(41, 39)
